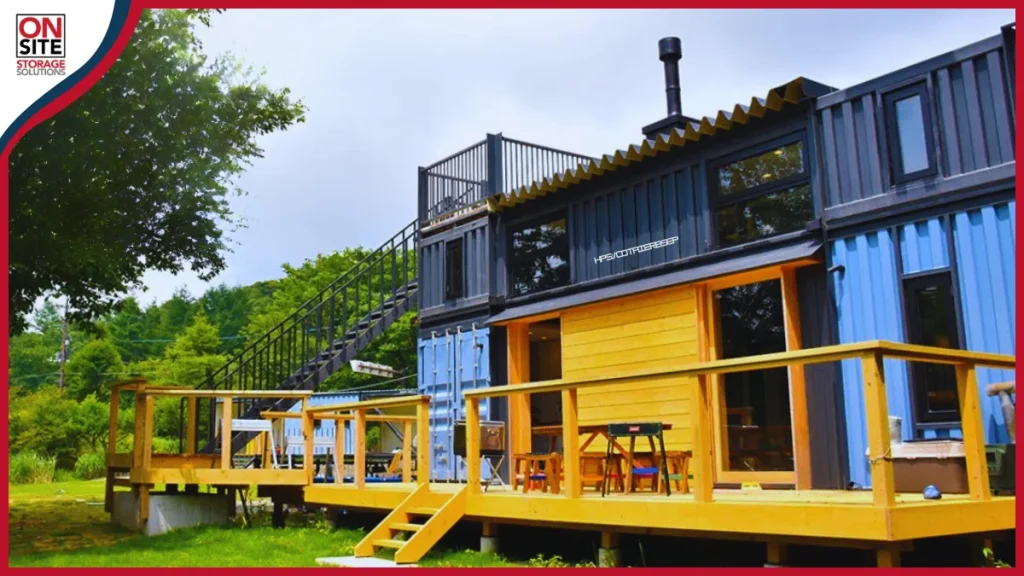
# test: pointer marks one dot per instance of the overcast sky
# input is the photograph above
(389, 91)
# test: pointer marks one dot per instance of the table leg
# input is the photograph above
(589, 440)
(555, 473)
(629, 464)
(664, 463)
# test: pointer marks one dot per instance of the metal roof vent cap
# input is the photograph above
(670, 50)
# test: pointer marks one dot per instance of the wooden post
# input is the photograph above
(973, 432)
(797, 384)
(140, 419)
(147, 433)
(520, 439)
(190, 426)
(777, 553)
(407, 451)
(423, 441)
(571, 444)
(115, 400)
(876, 405)
(703, 471)
(339, 451)
(360, 452)
(307, 441)
(225, 433)
(888, 555)
(473, 445)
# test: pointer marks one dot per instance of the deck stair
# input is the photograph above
(321, 336)
(419, 520)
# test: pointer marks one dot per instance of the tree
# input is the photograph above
(199, 339)
(93, 368)
(135, 174)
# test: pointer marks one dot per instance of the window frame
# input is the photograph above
(924, 418)
(897, 174)
(717, 200)
(512, 228)
(454, 289)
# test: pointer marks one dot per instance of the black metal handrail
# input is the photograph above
(524, 163)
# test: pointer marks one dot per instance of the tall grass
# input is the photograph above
(89, 466)
(31, 468)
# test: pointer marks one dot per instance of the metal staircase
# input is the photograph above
(320, 336)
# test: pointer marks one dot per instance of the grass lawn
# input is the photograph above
(63, 524)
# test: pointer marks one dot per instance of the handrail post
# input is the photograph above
(407, 452)
(339, 451)
(115, 400)
(422, 194)
(360, 455)
(973, 432)
(423, 441)
(225, 433)
(140, 418)
(883, 485)
(495, 174)
(473, 445)
(307, 441)
(147, 433)
(190, 426)
(703, 471)
(571, 444)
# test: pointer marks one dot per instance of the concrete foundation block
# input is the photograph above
(170, 511)
(608, 557)
(489, 544)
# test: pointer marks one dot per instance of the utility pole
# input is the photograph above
(63, 346)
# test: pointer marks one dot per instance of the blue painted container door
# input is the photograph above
(868, 305)
(450, 363)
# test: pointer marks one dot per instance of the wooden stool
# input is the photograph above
(548, 477)
(678, 464)
(592, 470)
(649, 468)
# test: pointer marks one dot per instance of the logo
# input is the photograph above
(40, 44)
(635, 250)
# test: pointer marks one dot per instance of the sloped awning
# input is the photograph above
(791, 93)
(724, 266)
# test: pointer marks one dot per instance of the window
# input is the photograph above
(540, 256)
(762, 195)
(453, 269)
(908, 126)
(931, 321)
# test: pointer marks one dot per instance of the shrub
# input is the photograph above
(89, 466)
(62, 475)
(31, 468)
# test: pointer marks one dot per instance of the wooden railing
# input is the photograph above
(869, 353)
(357, 413)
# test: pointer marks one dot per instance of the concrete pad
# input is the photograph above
(367, 562)
(171, 511)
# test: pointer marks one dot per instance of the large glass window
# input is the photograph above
(540, 256)
(909, 134)
(757, 423)
(762, 195)
(931, 321)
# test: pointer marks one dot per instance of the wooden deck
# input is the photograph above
(842, 515)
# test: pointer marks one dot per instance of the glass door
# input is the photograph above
(754, 430)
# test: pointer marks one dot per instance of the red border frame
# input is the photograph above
(133, 17)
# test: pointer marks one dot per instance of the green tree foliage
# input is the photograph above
(135, 174)
(93, 368)
(48, 422)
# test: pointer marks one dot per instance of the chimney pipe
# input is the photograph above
(670, 50)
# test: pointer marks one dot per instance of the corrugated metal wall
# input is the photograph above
(449, 363)
(659, 208)
(475, 263)
(293, 427)
(971, 122)
(867, 295)
(985, 246)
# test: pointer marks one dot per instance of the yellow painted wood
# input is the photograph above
(190, 425)
(571, 342)
(389, 543)
(225, 432)
(888, 556)
(638, 308)
(147, 433)
(398, 515)
(307, 441)
(473, 445)
(115, 400)
(394, 418)
(143, 493)
(777, 553)
(433, 529)
(675, 335)
(339, 452)
(518, 336)
(405, 527)
(138, 440)
(219, 476)
(876, 406)
(703, 466)
(360, 449)
(423, 442)
(571, 444)
(948, 517)
(407, 452)
(182, 392)
(797, 385)
(973, 432)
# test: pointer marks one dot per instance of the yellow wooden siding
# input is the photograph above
(651, 331)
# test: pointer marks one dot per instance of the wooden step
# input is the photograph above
(406, 527)
(396, 544)
(422, 511)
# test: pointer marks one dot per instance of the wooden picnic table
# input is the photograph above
(592, 431)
